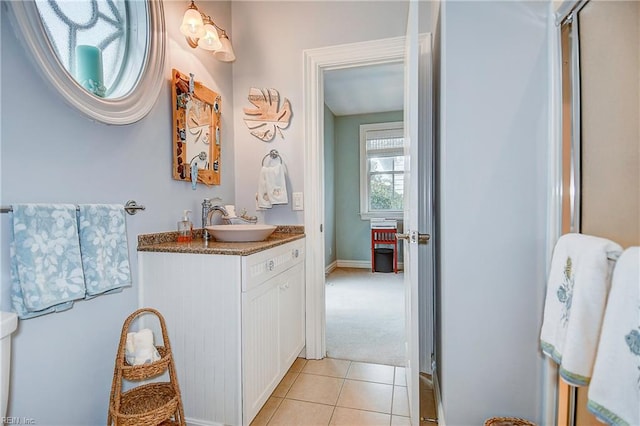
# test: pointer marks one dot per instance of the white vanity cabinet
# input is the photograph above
(236, 325)
(273, 317)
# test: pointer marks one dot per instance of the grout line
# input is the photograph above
(274, 411)
(393, 395)
(340, 392)
(333, 412)
(370, 381)
(324, 375)
(292, 383)
(309, 402)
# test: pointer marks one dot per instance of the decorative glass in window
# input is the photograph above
(92, 40)
(104, 57)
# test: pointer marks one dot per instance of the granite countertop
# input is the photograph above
(166, 242)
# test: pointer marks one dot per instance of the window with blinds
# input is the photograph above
(382, 170)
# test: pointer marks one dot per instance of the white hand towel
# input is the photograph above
(579, 282)
(614, 393)
(262, 198)
(140, 349)
(276, 184)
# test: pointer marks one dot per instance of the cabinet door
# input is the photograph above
(291, 321)
(260, 355)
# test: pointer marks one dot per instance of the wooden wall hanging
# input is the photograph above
(196, 130)
(267, 118)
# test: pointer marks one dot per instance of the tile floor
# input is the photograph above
(337, 392)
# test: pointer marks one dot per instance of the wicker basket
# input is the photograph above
(152, 404)
(149, 404)
(507, 421)
(145, 371)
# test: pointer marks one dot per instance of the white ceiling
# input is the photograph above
(364, 90)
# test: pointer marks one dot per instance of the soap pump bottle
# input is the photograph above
(185, 228)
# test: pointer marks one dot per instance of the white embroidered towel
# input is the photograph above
(577, 289)
(272, 187)
(262, 197)
(614, 392)
(276, 184)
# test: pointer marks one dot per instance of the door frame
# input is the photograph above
(316, 61)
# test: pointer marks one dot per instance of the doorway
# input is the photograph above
(363, 184)
(316, 62)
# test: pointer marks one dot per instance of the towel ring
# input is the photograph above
(273, 154)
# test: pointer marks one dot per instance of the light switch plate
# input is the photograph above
(298, 203)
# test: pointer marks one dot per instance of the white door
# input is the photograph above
(417, 207)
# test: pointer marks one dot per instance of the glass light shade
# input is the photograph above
(192, 25)
(210, 41)
(225, 53)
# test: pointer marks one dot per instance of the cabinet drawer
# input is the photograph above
(259, 267)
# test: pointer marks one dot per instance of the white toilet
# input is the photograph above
(8, 324)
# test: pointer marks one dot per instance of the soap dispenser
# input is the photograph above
(185, 228)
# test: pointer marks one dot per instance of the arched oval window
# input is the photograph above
(105, 57)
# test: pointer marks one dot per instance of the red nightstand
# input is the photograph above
(384, 236)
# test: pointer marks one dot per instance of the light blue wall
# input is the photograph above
(63, 363)
(353, 234)
(493, 193)
(329, 188)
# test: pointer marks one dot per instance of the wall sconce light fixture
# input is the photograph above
(200, 31)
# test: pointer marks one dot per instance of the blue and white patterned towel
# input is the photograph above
(104, 248)
(46, 268)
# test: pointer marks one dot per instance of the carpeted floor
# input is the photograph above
(365, 316)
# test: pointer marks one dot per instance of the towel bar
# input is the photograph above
(130, 207)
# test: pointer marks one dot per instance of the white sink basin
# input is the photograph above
(241, 233)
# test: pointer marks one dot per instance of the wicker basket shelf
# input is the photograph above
(145, 371)
(151, 404)
(508, 421)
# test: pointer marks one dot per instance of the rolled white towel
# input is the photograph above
(140, 348)
(143, 339)
(130, 350)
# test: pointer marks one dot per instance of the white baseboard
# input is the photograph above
(198, 422)
(363, 264)
(330, 267)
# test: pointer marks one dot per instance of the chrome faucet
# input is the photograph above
(207, 212)
(210, 206)
(214, 209)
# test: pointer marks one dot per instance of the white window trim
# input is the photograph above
(126, 109)
(365, 214)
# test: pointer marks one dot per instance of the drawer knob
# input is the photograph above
(271, 265)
